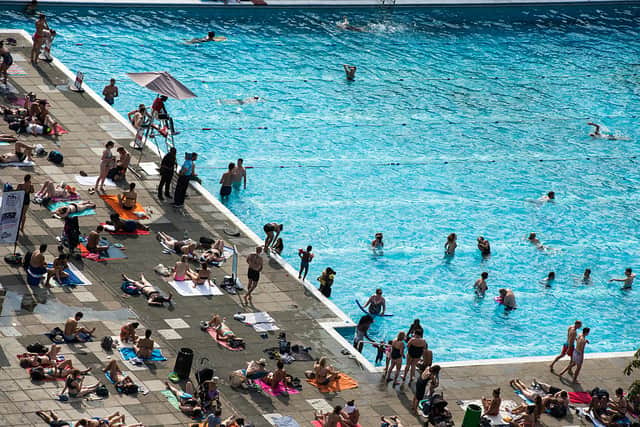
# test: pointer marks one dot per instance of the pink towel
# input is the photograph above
(276, 391)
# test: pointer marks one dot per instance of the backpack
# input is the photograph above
(102, 391)
(107, 343)
(55, 157)
(37, 348)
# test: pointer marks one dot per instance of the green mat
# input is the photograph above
(171, 398)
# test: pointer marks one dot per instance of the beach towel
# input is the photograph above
(23, 164)
(109, 254)
(53, 206)
(345, 382)
(277, 391)
(582, 397)
(60, 130)
(317, 423)
(278, 420)
(186, 289)
(90, 181)
(76, 278)
(17, 70)
(138, 232)
(129, 353)
(496, 420)
(112, 201)
(173, 400)
(223, 343)
(261, 321)
(57, 332)
(521, 396)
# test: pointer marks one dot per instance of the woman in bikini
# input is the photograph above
(32, 360)
(107, 161)
(223, 332)
(202, 276)
(397, 354)
(74, 385)
(322, 372)
(38, 37)
(128, 332)
(71, 208)
(182, 271)
(181, 247)
(119, 379)
(153, 295)
(21, 152)
(62, 370)
(7, 61)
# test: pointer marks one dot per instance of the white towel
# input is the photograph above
(186, 289)
(91, 181)
(260, 321)
(496, 420)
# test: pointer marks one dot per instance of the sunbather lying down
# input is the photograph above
(153, 294)
(50, 190)
(21, 152)
(181, 247)
(188, 403)
(554, 400)
(122, 382)
(33, 360)
(114, 420)
(62, 370)
(73, 207)
(223, 332)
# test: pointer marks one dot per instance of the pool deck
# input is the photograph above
(313, 3)
(296, 308)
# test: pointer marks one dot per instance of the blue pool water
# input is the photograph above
(444, 130)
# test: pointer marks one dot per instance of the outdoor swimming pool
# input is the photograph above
(444, 130)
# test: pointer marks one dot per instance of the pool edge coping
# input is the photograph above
(342, 320)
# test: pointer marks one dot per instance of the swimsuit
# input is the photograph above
(253, 274)
(225, 190)
(568, 349)
(179, 278)
(577, 357)
(7, 59)
(21, 156)
(396, 353)
(415, 352)
(375, 307)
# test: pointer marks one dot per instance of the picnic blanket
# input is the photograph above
(344, 382)
(53, 206)
(277, 391)
(129, 353)
(260, 321)
(186, 289)
(225, 344)
(112, 201)
(76, 278)
(137, 232)
(23, 164)
(582, 397)
(91, 181)
(496, 420)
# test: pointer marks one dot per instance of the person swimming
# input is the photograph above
(211, 37)
(549, 280)
(350, 71)
(249, 100)
(344, 24)
(596, 134)
(377, 245)
(376, 303)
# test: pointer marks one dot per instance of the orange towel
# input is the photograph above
(113, 203)
(345, 382)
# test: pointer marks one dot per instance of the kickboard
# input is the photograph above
(365, 311)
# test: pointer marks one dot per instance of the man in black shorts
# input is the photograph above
(255, 267)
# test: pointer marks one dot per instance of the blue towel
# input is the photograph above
(129, 353)
(72, 280)
(53, 206)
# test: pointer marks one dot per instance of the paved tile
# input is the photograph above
(169, 334)
(177, 323)
(85, 297)
(9, 331)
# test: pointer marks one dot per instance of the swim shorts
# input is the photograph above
(253, 275)
(225, 190)
(568, 350)
(577, 357)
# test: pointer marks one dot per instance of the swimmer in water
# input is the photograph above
(550, 196)
(249, 100)
(508, 298)
(211, 37)
(451, 245)
(586, 276)
(344, 24)
(480, 287)
(377, 244)
(350, 71)
(484, 246)
(533, 239)
(596, 134)
(376, 303)
(549, 280)
(627, 280)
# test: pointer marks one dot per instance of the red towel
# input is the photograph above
(580, 397)
(223, 343)
(60, 130)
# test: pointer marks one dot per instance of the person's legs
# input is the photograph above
(53, 352)
(268, 240)
(577, 372)
(188, 388)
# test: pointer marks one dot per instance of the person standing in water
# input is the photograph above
(484, 246)
(350, 71)
(627, 280)
(549, 280)
(226, 181)
(480, 287)
(377, 244)
(451, 245)
(239, 174)
(110, 92)
(305, 258)
(376, 303)
(569, 345)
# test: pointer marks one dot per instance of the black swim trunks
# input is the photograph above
(253, 275)
(21, 156)
(225, 190)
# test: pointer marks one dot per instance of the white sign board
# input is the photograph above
(10, 214)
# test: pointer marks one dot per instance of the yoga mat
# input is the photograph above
(186, 289)
(225, 344)
(91, 181)
(129, 353)
(112, 201)
(345, 382)
(496, 420)
(26, 163)
(53, 206)
(260, 321)
(138, 232)
(281, 389)
(75, 278)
